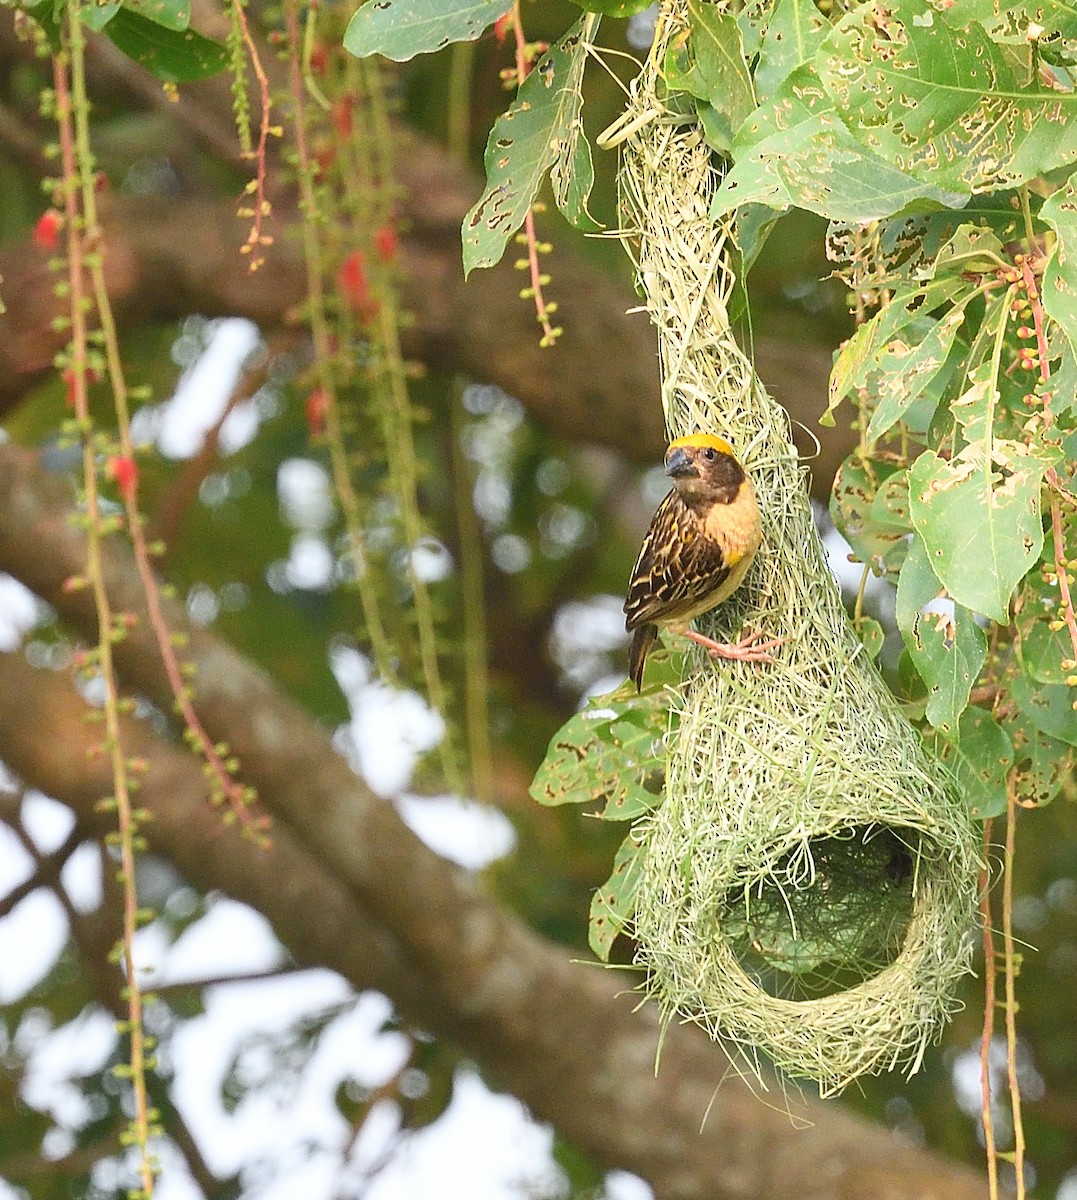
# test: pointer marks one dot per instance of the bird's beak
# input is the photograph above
(679, 465)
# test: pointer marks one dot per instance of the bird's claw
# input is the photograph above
(753, 647)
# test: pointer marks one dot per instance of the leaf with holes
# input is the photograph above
(400, 29)
(928, 90)
(1044, 765)
(945, 643)
(614, 749)
(795, 152)
(1048, 706)
(980, 757)
(543, 127)
(1041, 649)
(794, 32)
(898, 352)
(711, 66)
(872, 636)
(613, 905)
(1060, 275)
(879, 543)
(978, 515)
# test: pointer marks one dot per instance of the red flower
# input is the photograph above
(385, 243)
(124, 471)
(316, 407)
(354, 287)
(342, 116)
(47, 230)
(324, 157)
(70, 383)
(501, 27)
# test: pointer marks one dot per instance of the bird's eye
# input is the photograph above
(708, 454)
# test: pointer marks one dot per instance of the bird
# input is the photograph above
(696, 553)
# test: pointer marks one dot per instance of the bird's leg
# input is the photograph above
(750, 648)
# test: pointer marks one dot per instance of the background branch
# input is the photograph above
(168, 257)
(348, 886)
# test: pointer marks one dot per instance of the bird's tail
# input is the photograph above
(642, 641)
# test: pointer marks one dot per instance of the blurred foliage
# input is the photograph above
(556, 530)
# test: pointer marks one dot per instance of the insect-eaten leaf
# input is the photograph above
(614, 750)
(613, 905)
(710, 65)
(794, 32)
(978, 514)
(900, 353)
(945, 643)
(869, 506)
(1060, 274)
(1048, 706)
(980, 758)
(1043, 765)
(927, 89)
(797, 153)
(542, 129)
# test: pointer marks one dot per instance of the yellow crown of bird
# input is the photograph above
(701, 440)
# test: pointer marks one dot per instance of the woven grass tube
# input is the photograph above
(809, 883)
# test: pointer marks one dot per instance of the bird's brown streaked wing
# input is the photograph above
(673, 573)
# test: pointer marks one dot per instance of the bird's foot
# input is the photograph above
(753, 647)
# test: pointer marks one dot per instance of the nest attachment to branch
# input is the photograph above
(809, 884)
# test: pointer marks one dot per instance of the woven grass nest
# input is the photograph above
(810, 881)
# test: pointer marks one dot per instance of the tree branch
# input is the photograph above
(600, 383)
(349, 886)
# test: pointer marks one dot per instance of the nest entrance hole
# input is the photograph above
(827, 915)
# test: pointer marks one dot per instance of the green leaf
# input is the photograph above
(978, 515)
(795, 152)
(613, 905)
(1010, 21)
(97, 16)
(1042, 650)
(1044, 765)
(614, 8)
(542, 127)
(755, 223)
(572, 173)
(857, 487)
(899, 350)
(170, 55)
(613, 755)
(400, 29)
(710, 65)
(970, 248)
(945, 643)
(979, 758)
(172, 14)
(1048, 706)
(872, 634)
(930, 92)
(795, 31)
(1060, 275)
